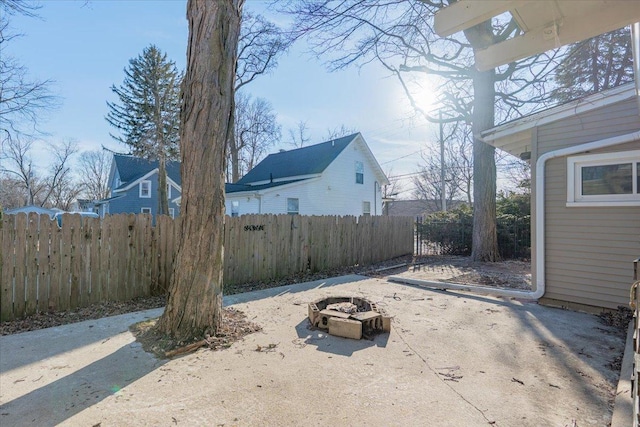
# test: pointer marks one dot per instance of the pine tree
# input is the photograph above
(597, 64)
(148, 113)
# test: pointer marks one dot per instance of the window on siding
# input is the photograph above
(168, 191)
(145, 210)
(172, 213)
(359, 173)
(366, 208)
(293, 206)
(145, 189)
(607, 179)
(235, 208)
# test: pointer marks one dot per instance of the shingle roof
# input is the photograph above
(310, 160)
(132, 168)
(237, 188)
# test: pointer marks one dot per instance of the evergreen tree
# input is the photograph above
(593, 65)
(148, 113)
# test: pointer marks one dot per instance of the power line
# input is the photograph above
(399, 158)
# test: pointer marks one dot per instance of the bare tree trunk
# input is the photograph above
(163, 201)
(194, 303)
(484, 245)
(485, 240)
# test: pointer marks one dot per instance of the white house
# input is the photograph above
(337, 177)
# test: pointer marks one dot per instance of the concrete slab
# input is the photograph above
(450, 359)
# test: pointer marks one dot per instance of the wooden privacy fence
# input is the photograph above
(44, 267)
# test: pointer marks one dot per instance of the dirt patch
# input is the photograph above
(234, 326)
(510, 274)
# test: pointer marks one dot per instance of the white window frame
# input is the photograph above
(145, 210)
(235, 208)
(366, 208)
(293, 212)
(359, 169)
(574, 179)
(140, 186)
(168, 190)
(172, 213)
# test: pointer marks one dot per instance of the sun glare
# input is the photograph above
(425, 95)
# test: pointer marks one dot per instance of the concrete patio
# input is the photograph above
(450, 359)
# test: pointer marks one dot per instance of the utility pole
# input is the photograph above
(443, 186)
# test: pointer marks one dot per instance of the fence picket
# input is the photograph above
(31, 262)
(8, 261)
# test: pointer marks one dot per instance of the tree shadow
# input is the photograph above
(63, 398)
(291, 289)
(336, 345)
(26, 348)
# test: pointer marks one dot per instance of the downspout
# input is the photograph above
(635, 49)
(540, 229)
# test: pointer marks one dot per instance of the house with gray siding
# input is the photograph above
(585, 163)
(336, 177)
(134, 187)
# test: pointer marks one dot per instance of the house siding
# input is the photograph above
(589, 250)
(131, 202)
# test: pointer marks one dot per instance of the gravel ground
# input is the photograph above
(447, 268)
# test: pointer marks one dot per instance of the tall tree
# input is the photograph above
(299, 135)
(593, 65)
(194, 303)
(94, 173)
(55, 188)
(399, 35)
(260, 46)
(148, 113)
(22, 100)
(458, 169)
(255, 131)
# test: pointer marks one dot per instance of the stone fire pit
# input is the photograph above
(349, 317)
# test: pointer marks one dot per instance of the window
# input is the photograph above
(172, 213)
(168, 191)
(293, 206)
(235, 208)
(359, 173)
(145, 210)
(608, 179)
(145, 189)
(366, 208)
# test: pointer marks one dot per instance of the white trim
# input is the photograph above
(575, 164)
(140, 189)
(297, 212)
(144, 177)
(283, 179)
(142, 210)
(168, 189)
(172, 213)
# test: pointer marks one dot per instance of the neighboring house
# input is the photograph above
(32, 209)
(585, 163)
(134, 187)
(337, 177)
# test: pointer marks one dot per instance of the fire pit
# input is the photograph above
(349, 317)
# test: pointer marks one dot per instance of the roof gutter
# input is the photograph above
(540, 226)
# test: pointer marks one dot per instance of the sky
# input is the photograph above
(84, 46)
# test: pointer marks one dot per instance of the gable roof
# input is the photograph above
(132, 168)
(239, 188)
(311, 160)
(515, 137)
